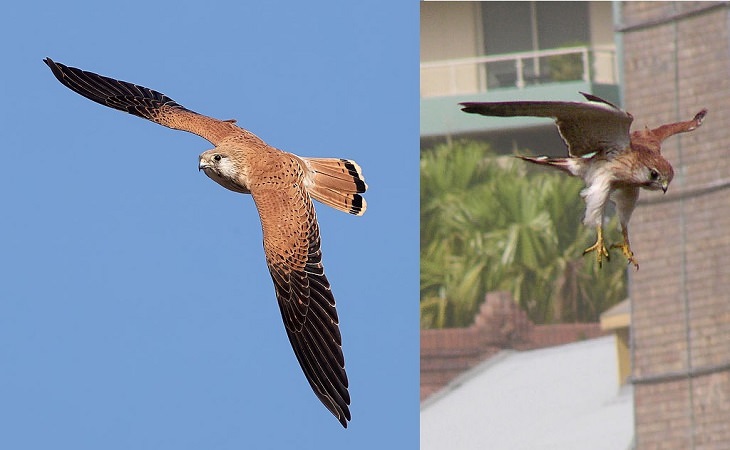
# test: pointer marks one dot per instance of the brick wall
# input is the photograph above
(500, 324)
(677, 61)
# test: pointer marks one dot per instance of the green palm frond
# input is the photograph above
(491, 223)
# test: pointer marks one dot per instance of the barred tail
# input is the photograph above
(337, 183)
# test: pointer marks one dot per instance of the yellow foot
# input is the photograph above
(600, 248)
(626, 250)
(626, 247)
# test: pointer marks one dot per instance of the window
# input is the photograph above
(512, 27)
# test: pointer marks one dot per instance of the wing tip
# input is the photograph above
(700, 116)
(55, 67)
(470, 107)
(597, 99)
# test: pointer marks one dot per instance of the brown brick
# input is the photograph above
(681, 295)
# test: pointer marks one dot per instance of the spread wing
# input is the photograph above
(141, 101)
(292, 248)
(586, 127)
(661, 133)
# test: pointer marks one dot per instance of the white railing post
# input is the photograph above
(480, 77)
(520, 76)
(452, 79)
(586, 65)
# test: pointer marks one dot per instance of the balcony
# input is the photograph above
(556, 74)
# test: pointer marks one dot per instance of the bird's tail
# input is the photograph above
(565, 164)
(337, 183)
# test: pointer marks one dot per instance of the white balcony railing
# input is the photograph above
(481, 74)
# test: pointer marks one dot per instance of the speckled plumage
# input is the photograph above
(282, 186)
(613, 162)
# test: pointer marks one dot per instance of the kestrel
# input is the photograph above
(612, 162)
(282, 186)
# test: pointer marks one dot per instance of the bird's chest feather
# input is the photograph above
(232, 173)
(236, 184)
(599, 171)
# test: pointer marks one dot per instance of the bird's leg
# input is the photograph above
(599, 247)
(626, 247)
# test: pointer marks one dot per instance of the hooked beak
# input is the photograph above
(665, 185)
(202, 165)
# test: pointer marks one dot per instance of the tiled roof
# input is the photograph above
(500, 324)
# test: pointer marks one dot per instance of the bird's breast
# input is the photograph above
(227, 182)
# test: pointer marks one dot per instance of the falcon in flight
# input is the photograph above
(282, 185)
(613, 162)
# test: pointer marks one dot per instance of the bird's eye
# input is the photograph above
(654, 175)
(217, 157)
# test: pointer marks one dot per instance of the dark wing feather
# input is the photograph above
(586, 127)
(140, 101)
(294, 258)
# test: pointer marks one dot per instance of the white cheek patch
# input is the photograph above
(226, 168)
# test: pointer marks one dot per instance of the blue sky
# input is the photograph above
(136, 310)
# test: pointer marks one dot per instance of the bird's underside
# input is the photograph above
(614, 162)
(282, 186)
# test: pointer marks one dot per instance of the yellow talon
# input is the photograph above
(626, 248)
(599, 247)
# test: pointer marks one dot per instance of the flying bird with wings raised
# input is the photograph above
(613, 162)
(282, 186)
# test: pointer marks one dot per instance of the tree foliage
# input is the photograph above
(492, 223)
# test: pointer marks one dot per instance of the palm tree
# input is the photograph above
(489, 223)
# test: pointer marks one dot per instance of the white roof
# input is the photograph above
(564, 397)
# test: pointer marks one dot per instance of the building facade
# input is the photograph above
(676, 59)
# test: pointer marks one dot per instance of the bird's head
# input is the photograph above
(221, 166)
(657, 175)
(216, 161)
